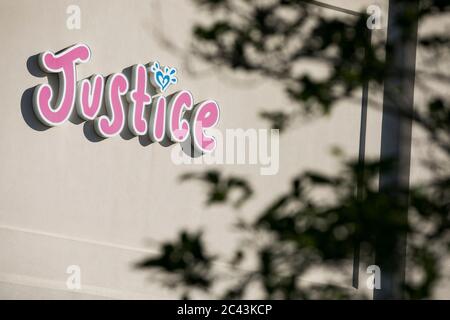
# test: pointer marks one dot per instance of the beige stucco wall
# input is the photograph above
(102, 205)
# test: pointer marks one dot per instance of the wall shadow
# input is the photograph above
(26, 108)
(26, 101)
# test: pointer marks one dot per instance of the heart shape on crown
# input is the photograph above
(162, 79)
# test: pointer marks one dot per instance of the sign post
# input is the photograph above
(398, 101)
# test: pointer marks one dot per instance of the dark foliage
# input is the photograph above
(302, 230)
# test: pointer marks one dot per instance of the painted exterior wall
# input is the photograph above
(66, 200)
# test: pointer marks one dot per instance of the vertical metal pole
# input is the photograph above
(361, 160)
(390, 245)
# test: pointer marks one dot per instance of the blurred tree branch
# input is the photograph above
(299, 232)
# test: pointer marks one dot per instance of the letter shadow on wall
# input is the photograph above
(26, 102)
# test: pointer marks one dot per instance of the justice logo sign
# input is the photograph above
(175, 117)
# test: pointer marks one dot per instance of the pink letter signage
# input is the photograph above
(177, 118)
